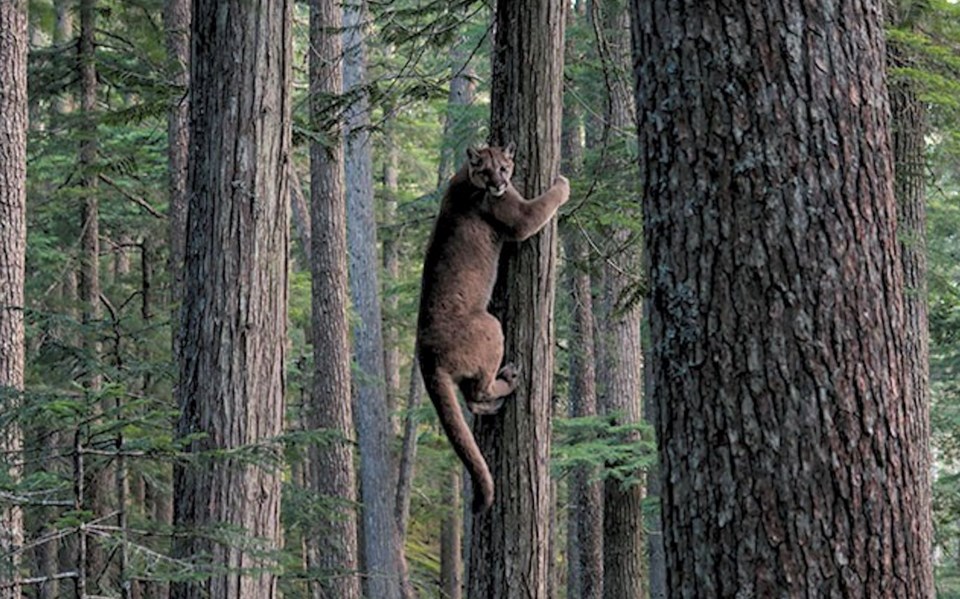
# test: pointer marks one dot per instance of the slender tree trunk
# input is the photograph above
(333, 548)
(176, 21)
(380, 543)
(585, 515)
(98, 473)
(792, 460)
(51, 554)
(177, 24)
(48, 554)
(408, 453)
(585, 531)
(451, 559)
(623, 546)
(508, 557)
(656, 558)
(62, 36)
(391, 268)
(13, 244)
(234, 306)
(301, 213)
(463, 87)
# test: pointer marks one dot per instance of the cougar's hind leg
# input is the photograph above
(485, 394)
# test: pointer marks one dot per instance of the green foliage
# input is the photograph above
(622, 452)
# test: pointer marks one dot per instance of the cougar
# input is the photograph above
(459, 343)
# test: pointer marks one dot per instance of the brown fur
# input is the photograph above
(459, 342)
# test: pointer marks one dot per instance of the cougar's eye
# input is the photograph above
(503, 169)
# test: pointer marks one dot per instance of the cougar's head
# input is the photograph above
(491, 168)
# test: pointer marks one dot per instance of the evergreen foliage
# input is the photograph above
(417, 47)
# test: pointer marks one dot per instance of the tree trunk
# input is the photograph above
(235, 295)
(380, 544)
(585, 578)
(508, 556)
(656, 558)
(792, 460)
(451, 560)
(176, 21)
(301, 211)
(62, 35)
(13, 245)
(463, 87)
(333, 547)
(391, 268)
(908, 125)
(408, 453)
(99, 474)
(585, 516)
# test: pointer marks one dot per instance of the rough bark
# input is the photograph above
(332, 550)
(235, 295)
(13, 242)
(793, 464)
(380, 543)
(908, 126)
(509, 542)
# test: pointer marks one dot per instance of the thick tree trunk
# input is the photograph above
(381, 548)
(509, 542)
(13, 244)
(792, 460)
(235, 295)
(333, 547)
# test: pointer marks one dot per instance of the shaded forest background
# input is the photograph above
(99, 413)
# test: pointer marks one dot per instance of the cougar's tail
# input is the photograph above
(442, 392)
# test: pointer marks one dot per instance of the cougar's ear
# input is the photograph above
(473, 155)
(509, 149)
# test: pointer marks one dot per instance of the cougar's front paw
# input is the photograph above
(510, 374)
